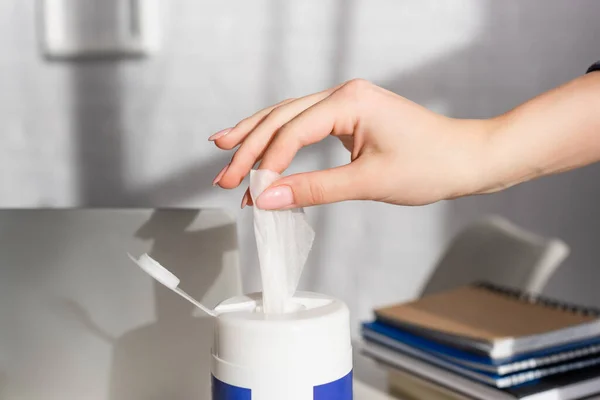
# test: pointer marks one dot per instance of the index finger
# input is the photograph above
(335, 114)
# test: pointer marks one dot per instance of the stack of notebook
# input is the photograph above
(485, 342)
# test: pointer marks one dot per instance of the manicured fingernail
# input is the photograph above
(219, 134)
(220, 175)
(276, 198)
(245, 199)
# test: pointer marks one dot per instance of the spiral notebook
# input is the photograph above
(495, 321)
(489, 378)
(417, 346)
(577, 384)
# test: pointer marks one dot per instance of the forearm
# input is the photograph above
(554, 132)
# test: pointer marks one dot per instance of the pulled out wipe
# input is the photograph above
(283, 239)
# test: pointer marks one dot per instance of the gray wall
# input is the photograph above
(134, 133)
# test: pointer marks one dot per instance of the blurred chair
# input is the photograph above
(499, 252)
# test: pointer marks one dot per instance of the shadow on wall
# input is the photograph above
(519, 54)
(100, 132)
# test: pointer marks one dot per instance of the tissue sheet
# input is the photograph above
(283, 239)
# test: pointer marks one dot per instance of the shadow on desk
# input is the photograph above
(85, 322)
(170, 358)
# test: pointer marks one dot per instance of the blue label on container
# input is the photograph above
(337, 390)
(223, 391)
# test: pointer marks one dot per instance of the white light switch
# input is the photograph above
(111, 28)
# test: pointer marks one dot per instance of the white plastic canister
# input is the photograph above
(305, 354)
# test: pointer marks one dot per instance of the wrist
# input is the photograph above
(478, 171)
(554, 132)
(506, 160)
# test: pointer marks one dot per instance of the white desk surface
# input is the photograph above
(370, 380)
(364, 392)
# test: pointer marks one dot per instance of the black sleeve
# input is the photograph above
(595, 67)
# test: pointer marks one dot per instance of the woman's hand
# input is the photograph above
(400, 152)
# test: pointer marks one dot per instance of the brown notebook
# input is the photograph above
(496, 321)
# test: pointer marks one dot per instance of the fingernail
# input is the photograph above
(219, 134)
(276, 198)
(220, 175)
(245, 200)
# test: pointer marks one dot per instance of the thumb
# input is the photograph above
(313, 188)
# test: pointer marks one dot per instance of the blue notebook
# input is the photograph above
(488, 378)
(399, 339)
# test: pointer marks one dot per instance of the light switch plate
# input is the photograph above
(99, 28)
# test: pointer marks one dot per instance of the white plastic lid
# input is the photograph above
(314, 336)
